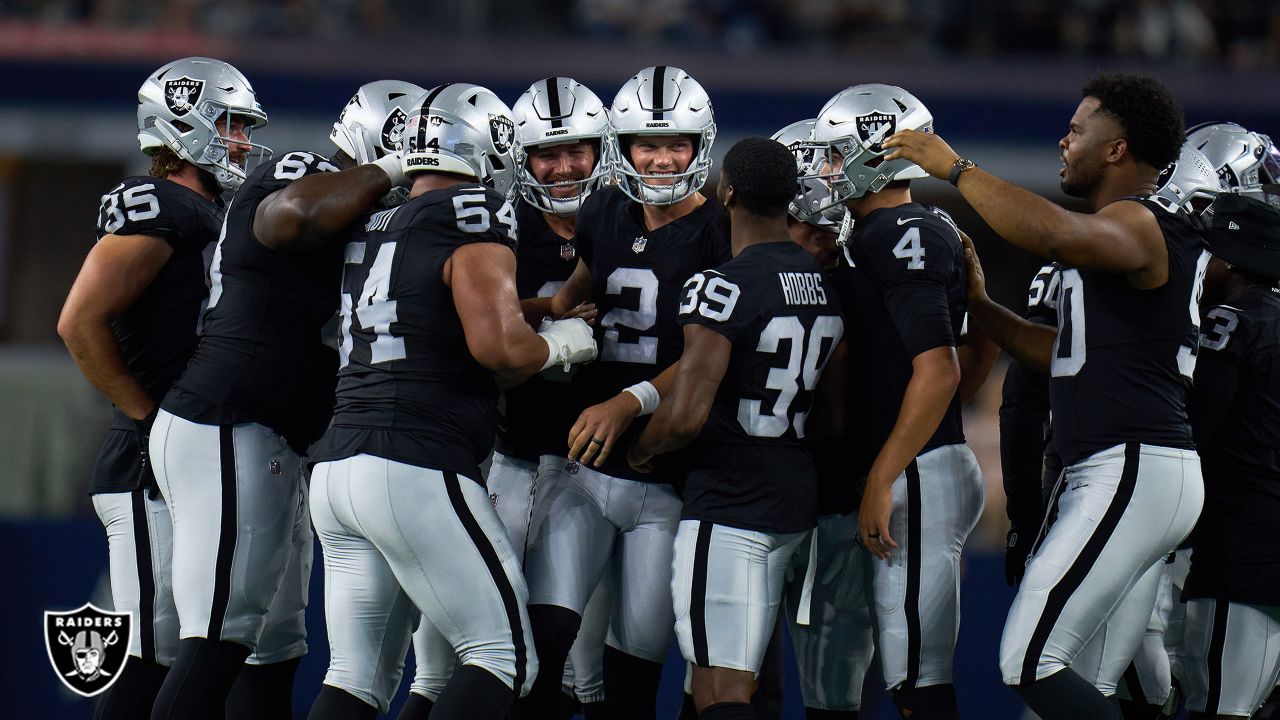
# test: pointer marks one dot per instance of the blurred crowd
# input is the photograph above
(1240, 34)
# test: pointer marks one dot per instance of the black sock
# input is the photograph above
(554, 629)
(134, 693)
(1065, 695)
(200, 680)
(263, 692)
(816, 714)
(338, 704)
(728, 711)
(767, 699)
(630, 685)
(594, 711)
(417, 707)
(935, 702)
(474, 693)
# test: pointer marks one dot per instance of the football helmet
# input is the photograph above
(372, 125)
(853, 125)
(554, 111)
(1191, 181)
(661, 100)
(463, 129)
(1246, 161)
(798, 138)
(180, 105)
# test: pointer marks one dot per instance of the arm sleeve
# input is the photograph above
(921, 311)
(714, 301)
(914, 269)
(1024, 414)
(140, 206)
(1217, 376)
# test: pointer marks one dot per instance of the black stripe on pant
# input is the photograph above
(226, 532)
(1217, 644)
(698, 595)
(1083, 564)
(911, 604)
(146, 579)
(496, 572)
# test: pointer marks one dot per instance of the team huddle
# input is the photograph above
(547, 406)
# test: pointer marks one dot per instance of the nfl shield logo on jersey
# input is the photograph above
(567, 251)
(87, 647)
(637, 245)
(871, 124)
(501, 130)
(182, 94)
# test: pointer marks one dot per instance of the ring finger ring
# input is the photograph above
(597, 441)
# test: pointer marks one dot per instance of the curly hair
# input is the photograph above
(763, 174)
(1150, 116)
(165, 162)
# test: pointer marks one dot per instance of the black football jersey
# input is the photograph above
(904, 289)
(261, 356)
(1123, 359)
(1024, 413)
(749, 467)
(157, 334)
(1235, 411)
(544, 260)
(409, 389)
(637, 281)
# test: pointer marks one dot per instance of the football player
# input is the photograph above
(130, 325)
(229, 439)
(1120, 362)
(637, 243)
(432, 328)
(903, 289)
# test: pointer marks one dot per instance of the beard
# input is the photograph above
(1079, 181)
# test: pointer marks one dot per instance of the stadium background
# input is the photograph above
(1001, 79)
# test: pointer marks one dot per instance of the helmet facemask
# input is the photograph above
(203, 138)
(543, 195)
(641, 187)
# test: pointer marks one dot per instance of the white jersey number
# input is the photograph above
(373, 309)
(645, 349)
(805, 362)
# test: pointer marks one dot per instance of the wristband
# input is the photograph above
(647, 394)
(391, 165)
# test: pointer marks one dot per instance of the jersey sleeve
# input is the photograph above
(712, 299)
(913, 266)
(141, 206)
(1042, 301)
(471, 214)
(1223, 341)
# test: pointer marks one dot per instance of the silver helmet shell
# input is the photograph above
(1246, 161)
(1192, 178)
(463, 129)
(853, 125)
(555, 111)
(811, 192)
(372, 125)
(661, 100)
(179, 107)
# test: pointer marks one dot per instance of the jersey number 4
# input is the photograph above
(371, 309)
(807, 356)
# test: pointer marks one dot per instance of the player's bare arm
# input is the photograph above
(607, 421)
(977, 354)
(117, 270)
(1121, 237)
(310, 210)
(1032, 343)
(684, 409)
(935, 375)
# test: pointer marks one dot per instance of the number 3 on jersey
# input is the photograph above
(805, 361)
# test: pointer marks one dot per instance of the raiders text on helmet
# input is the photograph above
(181, 105)
(463, 129)
(853, 125)
(661, 100)
(554, 111)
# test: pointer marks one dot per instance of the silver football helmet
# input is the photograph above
(180, 107)
(1246, 161)
(372, 125)
(798, 138)
(554, 111)
(661, 100)
(852, 125)
(463, 129)
(1191, 181)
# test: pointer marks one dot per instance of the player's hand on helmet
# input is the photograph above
(569, 342)
(598, 427)
(873, 520)
(393, 165)
(927, 150)
(1016, 550)
(977, 278)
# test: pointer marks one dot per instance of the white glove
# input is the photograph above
(569, 342)
(391, 164)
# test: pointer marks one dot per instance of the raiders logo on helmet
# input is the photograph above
(182, 94)
(393, 129)
(871, 124)
(501, 131)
